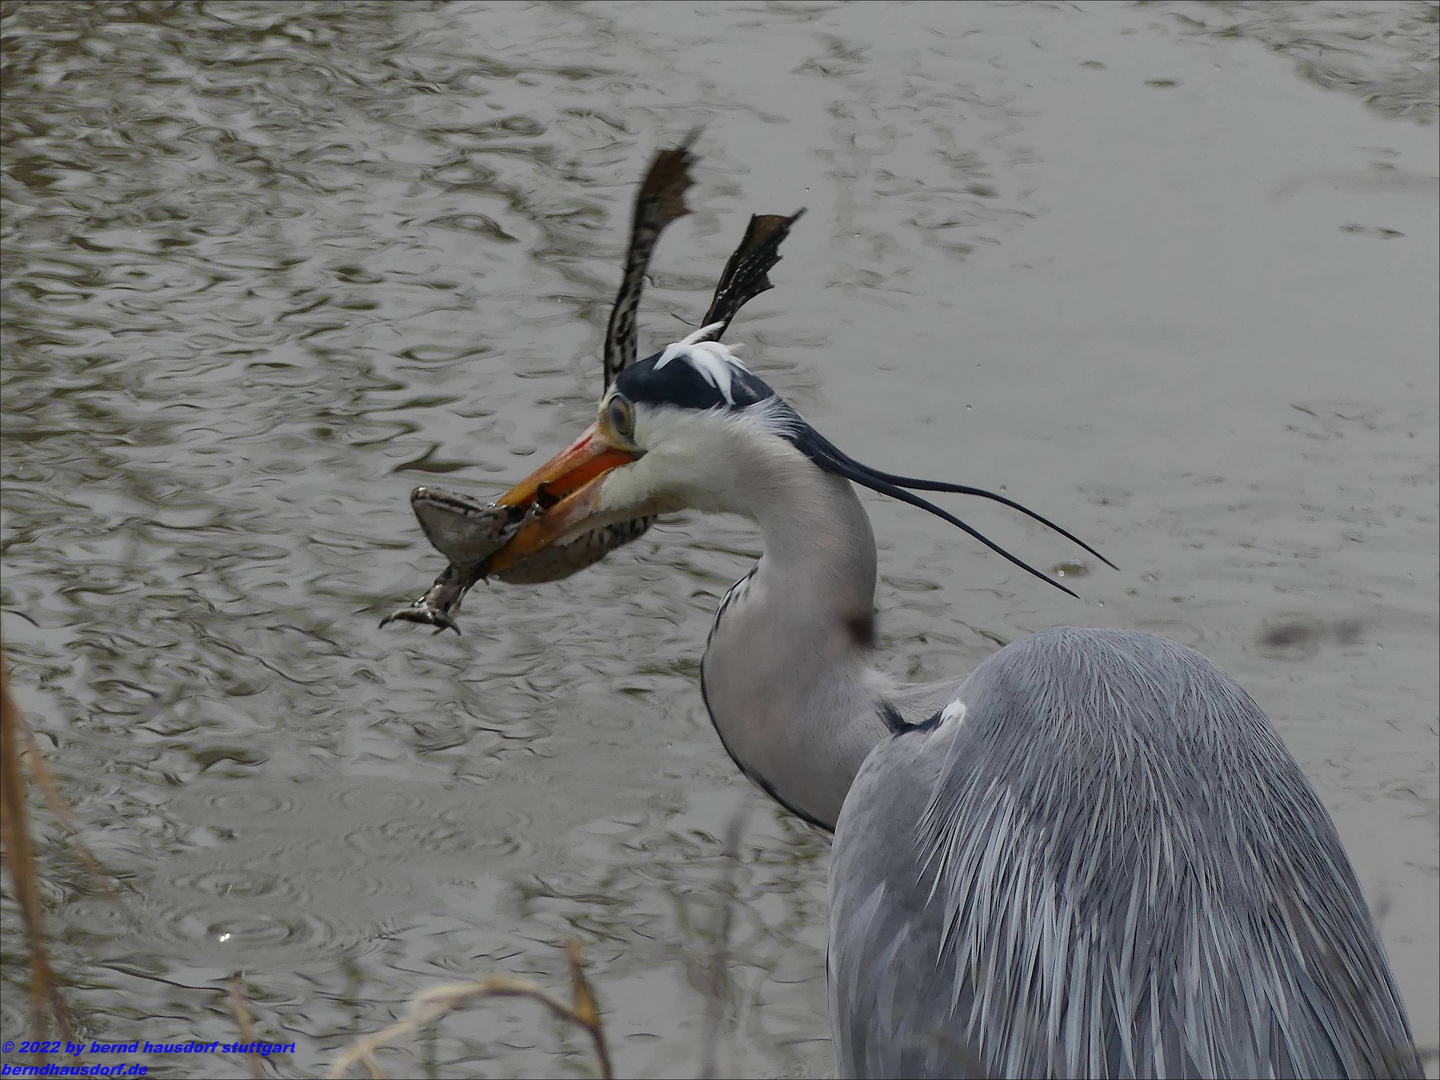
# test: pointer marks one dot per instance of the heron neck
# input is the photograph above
(786, 674)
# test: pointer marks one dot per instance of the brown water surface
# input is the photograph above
(1167, 273)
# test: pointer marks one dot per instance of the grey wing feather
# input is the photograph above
(1110, 866)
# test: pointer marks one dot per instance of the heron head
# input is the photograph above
(665, 438)
(692, 427)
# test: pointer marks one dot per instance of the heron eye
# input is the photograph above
(621, 415)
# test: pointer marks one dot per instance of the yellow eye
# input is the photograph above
(621, 415)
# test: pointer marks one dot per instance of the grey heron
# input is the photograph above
(1091, 856)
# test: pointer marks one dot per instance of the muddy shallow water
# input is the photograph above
(1166, 273)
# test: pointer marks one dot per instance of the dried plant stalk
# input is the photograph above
(720, 959)
(238, 1009)
(60, 806)
(439, 1001)
(20, 859)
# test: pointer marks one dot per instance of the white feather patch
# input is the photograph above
(955, 711)
(703, 334)
(715, 363)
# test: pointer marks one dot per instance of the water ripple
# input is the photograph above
(265, 264)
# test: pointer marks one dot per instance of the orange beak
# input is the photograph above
(567, 487)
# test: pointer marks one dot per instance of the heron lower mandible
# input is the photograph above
(1091, 857)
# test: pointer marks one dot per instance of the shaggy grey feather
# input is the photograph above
(1096, 872)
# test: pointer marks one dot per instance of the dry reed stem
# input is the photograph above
(241, 1012)
(60, 805)
(437, 1002)
(720, 958)
(20, 858)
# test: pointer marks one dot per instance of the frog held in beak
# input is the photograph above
(564, 495)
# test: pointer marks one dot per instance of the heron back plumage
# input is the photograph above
(1105, 864)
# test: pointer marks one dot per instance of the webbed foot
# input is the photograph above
(440, 602)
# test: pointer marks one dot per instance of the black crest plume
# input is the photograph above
(834, 460)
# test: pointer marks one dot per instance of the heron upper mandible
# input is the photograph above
(1090, 857)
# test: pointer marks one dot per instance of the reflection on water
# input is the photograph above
(266, 265)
